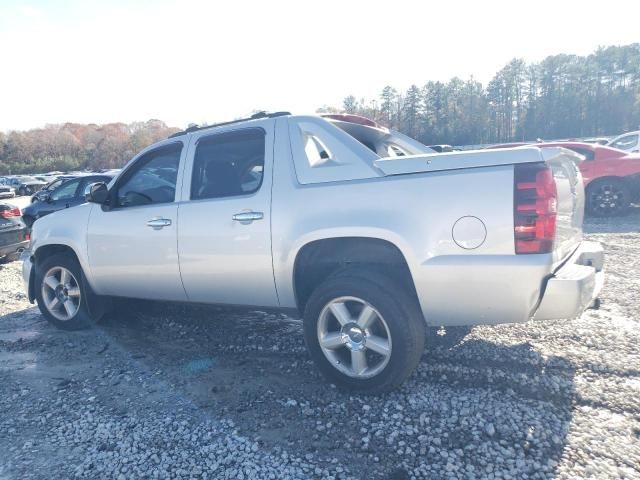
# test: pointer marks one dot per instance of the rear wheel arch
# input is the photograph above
(625, 180)
(319, 259)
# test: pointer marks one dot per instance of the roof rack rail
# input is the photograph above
(255, 116)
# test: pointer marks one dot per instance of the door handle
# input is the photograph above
(158, 223)
(248, 216)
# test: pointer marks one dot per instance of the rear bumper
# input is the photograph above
(575, 286)
(13, 248)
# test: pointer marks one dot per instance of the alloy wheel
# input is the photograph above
(61, 293)
(354, 337)
(607, 199)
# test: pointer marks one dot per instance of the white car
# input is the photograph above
(627, 141)
(6, 191)
(364, 232)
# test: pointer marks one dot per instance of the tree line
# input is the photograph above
(562, 96)
(74, 146)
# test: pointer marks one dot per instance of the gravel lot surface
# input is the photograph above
(176, 392)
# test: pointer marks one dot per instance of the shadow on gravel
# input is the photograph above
(627, 224)
(481, 406)
(493, 407)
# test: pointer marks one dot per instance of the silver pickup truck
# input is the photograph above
(367, 234)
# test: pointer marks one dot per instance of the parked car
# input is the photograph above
(6, 191)
(68, 193)
(441, 148)
(44, 178)
(369, 249)
(25, 185)
(598, 140)
(611, 176)
(14, 235)
(629, 142)
(49, 187)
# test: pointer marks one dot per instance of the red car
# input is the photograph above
(611, 176)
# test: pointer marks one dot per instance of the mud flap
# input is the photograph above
(97, 305)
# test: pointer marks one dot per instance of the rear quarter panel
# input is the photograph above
(456, 286)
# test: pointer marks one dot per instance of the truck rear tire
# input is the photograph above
(364, 330)
(61, 293)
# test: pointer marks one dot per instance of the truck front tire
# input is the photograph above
(61, 292)
(364, 330)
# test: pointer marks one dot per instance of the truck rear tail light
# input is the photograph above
(9, 212)
(534, 208)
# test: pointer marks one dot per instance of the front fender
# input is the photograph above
(66, 228)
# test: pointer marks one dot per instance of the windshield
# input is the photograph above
(626, 142)
(54, 184)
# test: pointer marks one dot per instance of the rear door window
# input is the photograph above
(228, 164)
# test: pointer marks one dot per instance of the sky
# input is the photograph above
(193, 61)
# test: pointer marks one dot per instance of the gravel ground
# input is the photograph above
(176, 392)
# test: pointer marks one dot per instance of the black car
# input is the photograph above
(68, 194)
(50, 187)
(14, 234)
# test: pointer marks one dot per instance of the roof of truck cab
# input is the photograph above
(255, 116)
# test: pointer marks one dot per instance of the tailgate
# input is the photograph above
(570, 201)
(438, 162)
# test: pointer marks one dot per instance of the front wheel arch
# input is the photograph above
(98, 305)
(47, 250)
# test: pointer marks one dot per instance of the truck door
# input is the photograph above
(224, 227)
(132, 244)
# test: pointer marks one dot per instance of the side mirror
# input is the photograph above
(97, 193)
